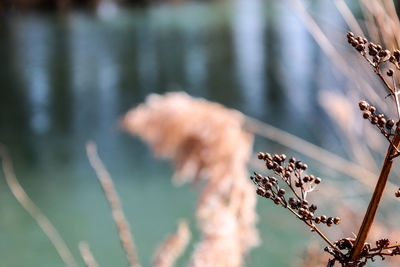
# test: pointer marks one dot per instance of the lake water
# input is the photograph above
(66, 79)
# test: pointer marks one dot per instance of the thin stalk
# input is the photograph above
(376, 197)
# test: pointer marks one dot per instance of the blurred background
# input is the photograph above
(71, 69)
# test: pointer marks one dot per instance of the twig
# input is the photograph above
(23, 199)
(376, 197)
(170, 250)
(115, 205)
(87, 255)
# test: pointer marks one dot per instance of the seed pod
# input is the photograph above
(396, 54)
(279, 169)
(269, 164)
(363, 105)
(392, 59)
(259, 176)
(260, 191)
(272, 179)
(317, 180)
(267, 156)
(268, 194)
(299, 164)
(292, 200)
(276, 158)
(317, 220)
(329, 224)
(261, 155)
(367, 114)
(350, 34)
(336, 220)
(313, 207)
(372, 51)
(283, 157)
(306, 179)
(397, 193)
(374, 120)
(389, 73)
(304, 167)
(277, 200)
(310, 214)
(264, 180)
(287, 174)
(323, 218)
(372, 109)
(360, 47)
(281, 192)
(389, 124)
(381, 122)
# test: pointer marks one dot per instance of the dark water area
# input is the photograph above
(66, 79)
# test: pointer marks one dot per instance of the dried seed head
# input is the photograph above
(268, 194)
(267, 156)
(259, 176)
(367, 114)
(397, 193)
(374, 120)
(299, 164)
(276, 158)
(261, 155)
(389, 72)
(392, 59)
(292, 160)
(260, 191)
(317, 220)
(323, 218)
(292, 200)
(360, 47)
(396, 54)
(317, 180)
(306, 179)
(363, 105)
(372, 109)
(277, 200)
(287, 174)
(304, 167)
(336, 220)
(268, 185)
(281, 192)
(389, 124)
(381, 122)
(313, 207)
(269, 164)
(283, 157)
(350, 34)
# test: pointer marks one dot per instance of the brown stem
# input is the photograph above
(376, 197)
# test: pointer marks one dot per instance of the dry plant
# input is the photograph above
(206, 142)
(347, 251)
(168, 252)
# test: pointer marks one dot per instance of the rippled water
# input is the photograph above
(66, 79)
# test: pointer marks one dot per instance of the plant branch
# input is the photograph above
(27, 203)
(376, 197)
(106, 182)
(87, 255)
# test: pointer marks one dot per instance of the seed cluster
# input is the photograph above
(383, 248)
(374, 52)
(384, 125)
(300, 184)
